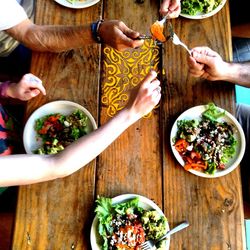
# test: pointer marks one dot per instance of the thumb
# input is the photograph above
(149, 78)
(34, 92)
(204, 59)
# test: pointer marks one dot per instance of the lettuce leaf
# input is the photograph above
(212, 112)
(105, 211)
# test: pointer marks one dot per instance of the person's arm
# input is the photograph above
(238, 73)
(208, 64)
(27, 169)
(172, 8)
(58, 38)
(28, 87)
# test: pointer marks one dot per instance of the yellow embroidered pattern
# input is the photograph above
(122, 71)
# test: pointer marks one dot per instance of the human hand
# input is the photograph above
(117, 35)
(170, 7)
(145, 97)
(207, 64)
(28, 87)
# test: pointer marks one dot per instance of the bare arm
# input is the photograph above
(238, 73)
(208, 64)
(51, 38)
(27, 169)
(61, 38)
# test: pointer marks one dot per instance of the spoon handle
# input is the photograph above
(164, 19)
(143, 37)
(174, 230)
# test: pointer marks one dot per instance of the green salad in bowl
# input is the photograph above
(208, 141)
(198, 9)
(55, 125)
(57, 131)
(127, 221)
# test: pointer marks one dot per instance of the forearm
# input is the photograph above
(89, 147)
(28, 169)
(238, 73)
(50, 37)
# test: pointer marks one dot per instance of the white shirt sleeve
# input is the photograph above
(11, 14)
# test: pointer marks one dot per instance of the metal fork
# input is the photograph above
(150, 244)
(175, 39)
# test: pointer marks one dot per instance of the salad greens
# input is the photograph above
(205, 144)
(193, 7)
(212, 112)
(126, 225)
(57, 131)
(74, 1)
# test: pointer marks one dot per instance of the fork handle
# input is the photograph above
(174, 230)
(185, 47)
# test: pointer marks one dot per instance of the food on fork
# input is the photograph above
(156, 30)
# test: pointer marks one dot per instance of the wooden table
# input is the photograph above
(58, 214)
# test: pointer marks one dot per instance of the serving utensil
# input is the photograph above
(175, 39)
(144, 37)
(156, 29)
(150, 244)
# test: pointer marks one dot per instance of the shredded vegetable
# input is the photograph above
(126, 225)
(57, 131)
(193, 7)
(205, 144)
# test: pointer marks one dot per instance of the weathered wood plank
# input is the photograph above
(213, 207)
(132, 164)
(55, 214)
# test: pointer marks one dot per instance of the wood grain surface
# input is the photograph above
(137, 153)
(212, 206)
(58, 214)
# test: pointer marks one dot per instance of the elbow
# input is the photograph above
(29, 34)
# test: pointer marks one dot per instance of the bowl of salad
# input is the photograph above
(126, 221)
(207, 141)
(77, 4)
(200, 9)
(55, 125)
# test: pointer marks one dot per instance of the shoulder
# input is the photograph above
(11, 14)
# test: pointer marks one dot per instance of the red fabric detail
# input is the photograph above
(2, 122)
(3, 134)
(8, 151)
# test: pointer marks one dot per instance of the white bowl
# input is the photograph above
(30, 139)
(78, 4)
(145, 203)
(195, 113)
(205, 15)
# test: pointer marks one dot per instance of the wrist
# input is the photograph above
(4, 87)
(229, 72)
(129, 116)
(95, 31)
